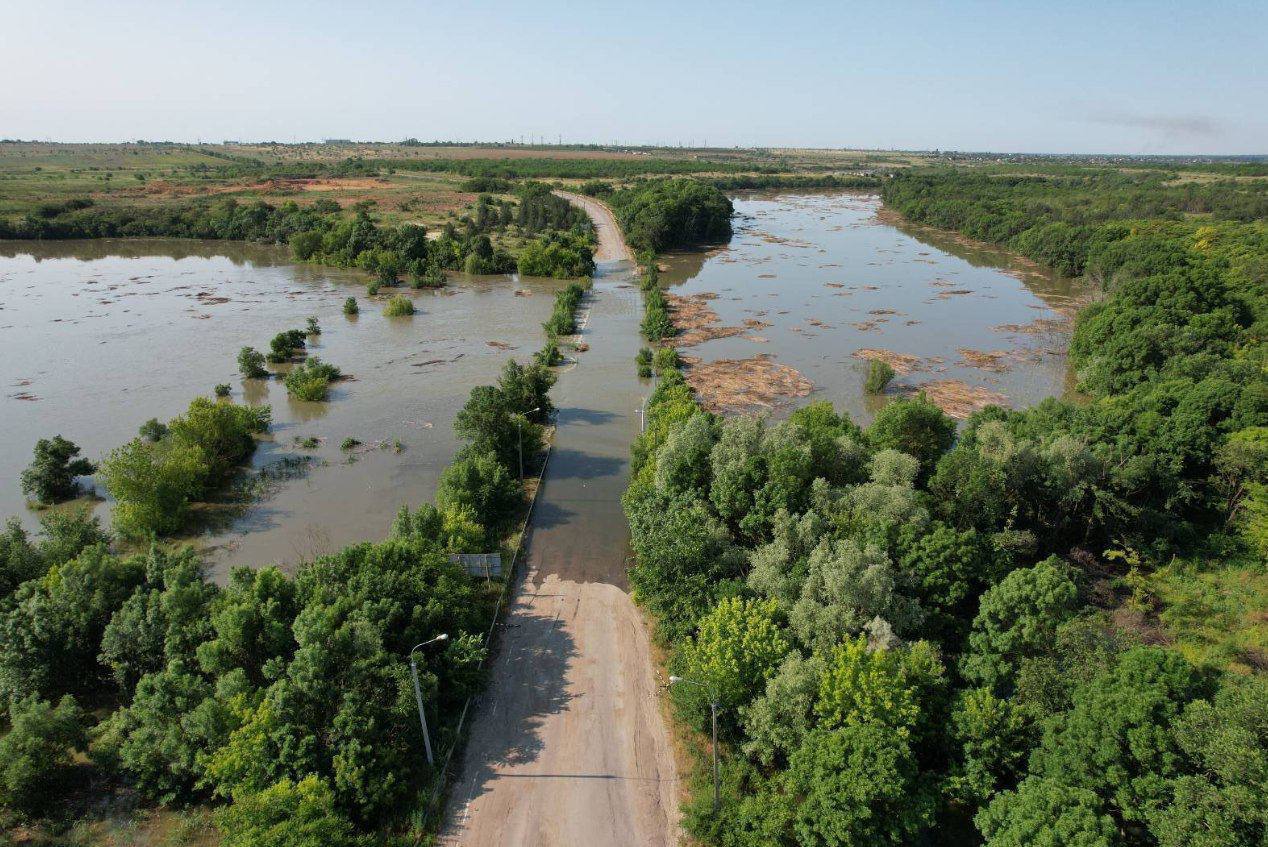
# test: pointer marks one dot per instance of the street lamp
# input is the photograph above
(642, 407)
(519, 429)
(418, 694)
(713, 707)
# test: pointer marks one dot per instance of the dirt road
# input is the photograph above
(568, 746)
(612, 246)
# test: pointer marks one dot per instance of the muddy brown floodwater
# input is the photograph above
(814, 285)
(97, 337)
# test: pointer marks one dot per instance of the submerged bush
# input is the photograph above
(350, 306)
(878, 376)
(251, 363)
(311, 380)
(399, 306)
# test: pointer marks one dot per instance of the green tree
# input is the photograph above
(50, 478)
(251, 364)
(1017, 619)
(251, 621)
(286, 814)
(526, 390)
(51, 631)
(992, 738)
(847, 587)
(36, 752)
(165, 619)
(913, 426)
(488, 420)
(1220, 804)
(887, 687)
(20, 560)
(160, 737)
(776, 722)
(1117, 739)
(1043, 813)
(736, 650)
(478, 482)
(153, 485)
(949, 571)
(858, 786)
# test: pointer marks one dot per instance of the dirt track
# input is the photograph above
(568, 745)
(612, 246)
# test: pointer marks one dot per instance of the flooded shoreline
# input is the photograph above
(816, 284)
(100, 336)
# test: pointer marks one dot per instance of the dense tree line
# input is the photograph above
(911, 631)
(285, 701)
(664, 214)
(323, 233)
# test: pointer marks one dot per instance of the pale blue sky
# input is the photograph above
(1073, 76)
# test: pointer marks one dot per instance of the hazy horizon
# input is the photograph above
(1136, 79)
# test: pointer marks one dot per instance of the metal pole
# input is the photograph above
(422, 716)
(717, 779)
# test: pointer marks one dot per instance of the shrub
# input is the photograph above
(349, 443)
(153, 429)
(310, 380)
(878, 376)
(643, 362)
(398, 307)
(35, 755)
(287, 814)
(350, 306)
(285, 345)
(251, 363)
(222, 389)
(50, 477)
(305, 245)
(313, 327)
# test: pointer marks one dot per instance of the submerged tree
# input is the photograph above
(50, 478)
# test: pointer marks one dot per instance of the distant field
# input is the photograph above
(420, 183)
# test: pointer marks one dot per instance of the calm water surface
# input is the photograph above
(832, 278)
(97, 337)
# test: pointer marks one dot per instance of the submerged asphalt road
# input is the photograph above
(568, 745)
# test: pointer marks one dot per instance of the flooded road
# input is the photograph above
(568, 745)
(97, 337)
(821, 282)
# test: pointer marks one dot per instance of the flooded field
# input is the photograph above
(814, 285)
(97, 337)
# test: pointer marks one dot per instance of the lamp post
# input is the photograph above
(519, 430)
(713, 707)
(418, 695)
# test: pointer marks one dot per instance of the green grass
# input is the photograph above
(1215, 614)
